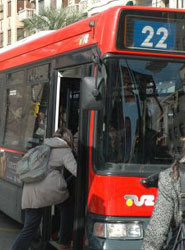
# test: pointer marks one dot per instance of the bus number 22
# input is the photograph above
(161, 43)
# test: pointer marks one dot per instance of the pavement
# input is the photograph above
(8, 231)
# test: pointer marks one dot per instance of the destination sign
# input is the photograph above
(154, 35)
(149, 30)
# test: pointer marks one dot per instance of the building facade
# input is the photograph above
(13, 12)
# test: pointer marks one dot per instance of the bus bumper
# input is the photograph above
(116, 245)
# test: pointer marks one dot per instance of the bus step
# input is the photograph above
(54, 244)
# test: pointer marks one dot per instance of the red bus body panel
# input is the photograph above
(71, 38)
(107, 196)
(107, 193)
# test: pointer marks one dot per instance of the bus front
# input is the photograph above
(137, 131)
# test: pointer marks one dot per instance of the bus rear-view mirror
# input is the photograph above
(92, 93)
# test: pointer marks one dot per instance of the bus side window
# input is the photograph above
(25, 118)
(26, 105)
(14, 110)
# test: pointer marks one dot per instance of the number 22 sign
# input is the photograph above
(154, 35)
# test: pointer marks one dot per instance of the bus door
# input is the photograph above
(68, 110)
(67, 114)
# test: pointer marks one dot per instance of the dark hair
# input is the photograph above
(175, 170)
(177, 163)
(66, 135)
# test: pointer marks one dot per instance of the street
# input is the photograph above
(8, 231)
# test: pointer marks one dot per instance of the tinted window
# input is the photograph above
(144, 114)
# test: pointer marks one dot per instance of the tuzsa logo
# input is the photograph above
(84, 39)
(147, 200)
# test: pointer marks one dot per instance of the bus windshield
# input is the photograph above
(142, 121)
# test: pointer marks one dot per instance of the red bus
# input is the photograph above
(118, 79)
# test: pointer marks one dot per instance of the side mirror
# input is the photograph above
(92, 96)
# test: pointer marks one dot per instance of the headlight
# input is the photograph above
(126, 230)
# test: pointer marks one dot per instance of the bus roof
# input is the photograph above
(25, 40)
(89, 31)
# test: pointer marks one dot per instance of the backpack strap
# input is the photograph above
(182, 193)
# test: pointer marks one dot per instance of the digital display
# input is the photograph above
(154, 35)
(149, 30)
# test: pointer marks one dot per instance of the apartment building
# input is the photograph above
(13, 12)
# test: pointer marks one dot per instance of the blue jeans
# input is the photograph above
(32, 222)
(31, 225)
